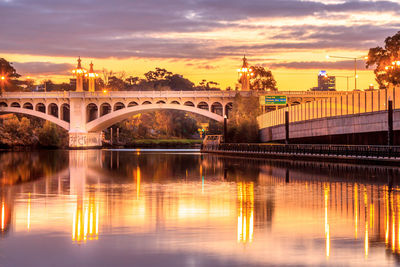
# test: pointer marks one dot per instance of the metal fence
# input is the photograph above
(355, 102)
(305, 149)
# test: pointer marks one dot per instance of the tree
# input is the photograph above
(242, 124)
(116, 83)
(51, 136)
(262, 80)
(382, 58)
(10, 82)
(17, 132)
(158, 74)
(7, 70)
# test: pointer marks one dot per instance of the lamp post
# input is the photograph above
(225, 129)
(355, 66)
(347, 78)
(3, 81)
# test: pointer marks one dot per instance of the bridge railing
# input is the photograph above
(308, 149)
(345, 104)
(166, 94)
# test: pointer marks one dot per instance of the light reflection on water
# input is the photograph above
(166, 208)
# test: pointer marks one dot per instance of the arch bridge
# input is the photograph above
(85, 114)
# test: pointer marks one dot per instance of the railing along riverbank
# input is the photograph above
(321, 152)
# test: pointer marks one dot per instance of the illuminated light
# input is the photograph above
(79, 226)
(387, 217)
(3, 78)
(74, 226)
(85, 224)
(328, 57)
(356, 76)
(97, 220)
(245, 212)
(28, 225)
(91, 221)
(327, 232)
(104, 91)
(138, 180)
(355, 210)
(386, 68)
(366, 57)
(366, 242)
(2, 216)
(371, 215)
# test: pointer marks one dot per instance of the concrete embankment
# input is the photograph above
(379, 155)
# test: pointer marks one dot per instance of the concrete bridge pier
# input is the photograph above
(79, 137)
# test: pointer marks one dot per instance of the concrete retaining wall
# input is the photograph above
(331, 128)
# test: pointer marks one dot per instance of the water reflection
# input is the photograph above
(240, 211)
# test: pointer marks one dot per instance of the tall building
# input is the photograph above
(325, 82)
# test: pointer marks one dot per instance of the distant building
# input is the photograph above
(72, 82)
(325, 82)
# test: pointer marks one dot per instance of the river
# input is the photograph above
(184, 208)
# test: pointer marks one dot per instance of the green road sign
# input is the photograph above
(273, 100)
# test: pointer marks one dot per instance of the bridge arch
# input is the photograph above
(175, 102)
(15, 105)
(203, 105)
(3, 104)
(217, 108)
(118, 106)
(52, 109)
(65, 112)
(38, 114)
(92, 112)
(27, 105)
(132, 104)
(119, 115)
(40, 107)
(189, 103)
(105, 108)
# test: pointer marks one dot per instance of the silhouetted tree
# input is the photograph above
(382, 58)
(262, 80)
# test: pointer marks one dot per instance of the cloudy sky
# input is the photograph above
(201, 39)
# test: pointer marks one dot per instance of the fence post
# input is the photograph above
(286, 127)
(390, 122)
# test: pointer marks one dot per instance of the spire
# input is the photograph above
(91, 68)
(79, 63)
(245, 64)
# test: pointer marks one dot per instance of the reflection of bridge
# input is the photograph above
(86, 114)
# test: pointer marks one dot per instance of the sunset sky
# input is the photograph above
(201, 39)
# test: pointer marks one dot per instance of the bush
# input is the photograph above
(51, 136)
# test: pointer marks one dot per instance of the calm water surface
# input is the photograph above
(181, 208)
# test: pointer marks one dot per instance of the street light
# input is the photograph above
(355, 66)
(3, 81)
(347, 78)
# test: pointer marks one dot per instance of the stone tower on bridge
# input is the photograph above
(245, 74)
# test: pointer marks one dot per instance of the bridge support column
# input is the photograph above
(85, 140)
(79, 137)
